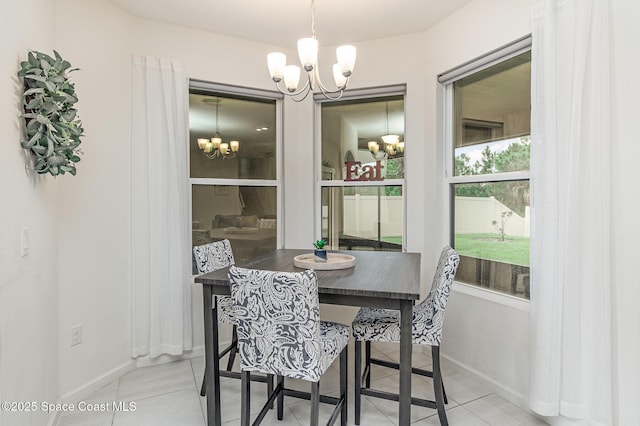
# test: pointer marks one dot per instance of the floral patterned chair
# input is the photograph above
(280, 333)
(383, 325)
(208, 258)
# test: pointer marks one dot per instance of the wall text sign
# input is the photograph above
(357, 172)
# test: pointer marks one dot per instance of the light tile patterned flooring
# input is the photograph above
(168, 394)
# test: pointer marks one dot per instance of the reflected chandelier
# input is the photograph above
(392, 144)
(308, 53)
(215, 148)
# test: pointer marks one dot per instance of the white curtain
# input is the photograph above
(571, 360)
(161, 288)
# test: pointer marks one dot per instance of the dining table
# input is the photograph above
(378, 279)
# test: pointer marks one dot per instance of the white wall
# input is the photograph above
(626, 205)
(28, 285)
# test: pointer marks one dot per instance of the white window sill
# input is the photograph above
(491, 296)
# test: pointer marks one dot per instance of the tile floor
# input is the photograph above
(168, 394)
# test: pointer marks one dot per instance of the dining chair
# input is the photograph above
(208, 258)
(280, 333)
(383, 325)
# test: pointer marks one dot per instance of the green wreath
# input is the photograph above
(52, 127)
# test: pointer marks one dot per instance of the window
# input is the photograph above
(235, 188)
(489, 111)
(361, 179)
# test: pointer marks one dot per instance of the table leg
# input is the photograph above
(406, 316)
(212, 363)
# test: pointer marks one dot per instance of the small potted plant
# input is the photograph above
(320, 253)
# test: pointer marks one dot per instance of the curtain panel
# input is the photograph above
(571, 360)
(161, 262)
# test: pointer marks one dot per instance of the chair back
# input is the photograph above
(278, 321)
(212, 256)
(428, 316)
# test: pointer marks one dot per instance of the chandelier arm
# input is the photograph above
(306, 88)
(326, 91)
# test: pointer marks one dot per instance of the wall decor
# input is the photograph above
(52, 127)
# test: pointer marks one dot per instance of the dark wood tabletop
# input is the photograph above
(378, 274)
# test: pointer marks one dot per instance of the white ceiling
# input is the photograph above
(283, 22)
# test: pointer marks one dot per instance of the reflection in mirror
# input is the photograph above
(247, 136)
(363, 130)
(245, 215)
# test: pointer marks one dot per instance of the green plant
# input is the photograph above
(319, 244)
(52, 127)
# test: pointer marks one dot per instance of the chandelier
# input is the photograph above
(214, 147)
(308, 54)
(392, 145)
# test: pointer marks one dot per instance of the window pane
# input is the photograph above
(363, 218)
(250, 122)
(492, 235)
(492, 111)
(347, 129)
(245, 215)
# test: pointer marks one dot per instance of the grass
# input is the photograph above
(514, 250)
(393, 240)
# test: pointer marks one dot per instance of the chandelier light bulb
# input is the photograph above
(308, 53)
(391, 139)
(339, 77)
(346, 56)
(235, 146)
(291, 77)
(276, 62)
(202, 142)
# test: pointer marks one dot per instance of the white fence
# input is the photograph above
(361, 215)
(474, 215)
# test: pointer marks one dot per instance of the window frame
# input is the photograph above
(226, 89)
(355, 94)
(446, 81)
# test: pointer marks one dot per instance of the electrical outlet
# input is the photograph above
(25, 242)
(76, 335)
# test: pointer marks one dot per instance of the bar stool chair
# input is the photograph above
(280, 333)
(208, 258)
(383, 325)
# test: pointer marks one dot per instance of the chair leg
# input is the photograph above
(437, 385)
(343, 385)
(245, 411)
(203, 390)
(315, 404)
(367, 362)
(358, 381)
(270, 388)
(281, 397)
(234, 350)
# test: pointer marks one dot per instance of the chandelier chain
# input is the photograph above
(313, 18)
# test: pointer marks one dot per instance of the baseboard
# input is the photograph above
(496, 387)
(82, 392)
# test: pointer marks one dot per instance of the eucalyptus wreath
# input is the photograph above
(52, 127)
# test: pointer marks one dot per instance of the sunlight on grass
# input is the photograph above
(514, 250)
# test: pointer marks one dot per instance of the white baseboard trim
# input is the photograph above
(90, 387)
(496, 387)
(509, 394)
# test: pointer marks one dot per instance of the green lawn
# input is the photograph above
(514, 250)
(393, 240)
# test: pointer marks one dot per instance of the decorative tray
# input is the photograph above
(334, 261)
